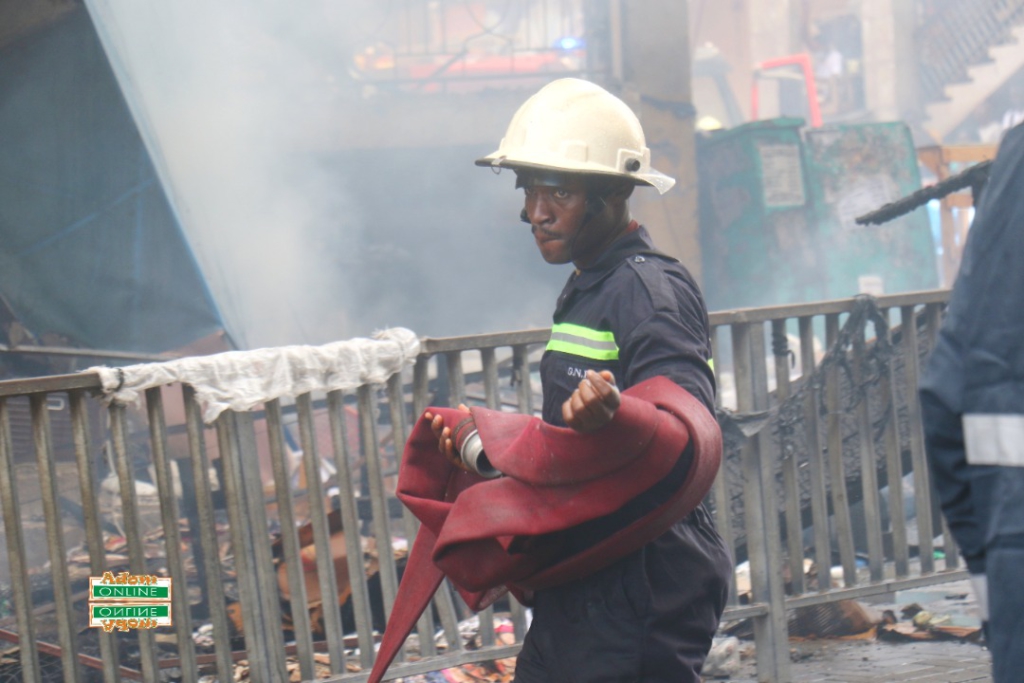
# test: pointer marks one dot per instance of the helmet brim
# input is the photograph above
(650, 178)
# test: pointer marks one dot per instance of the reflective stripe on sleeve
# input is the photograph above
(994, 439)
(582, 341)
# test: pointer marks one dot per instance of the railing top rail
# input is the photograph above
(42, 385)
(430, 346)
(766, 313)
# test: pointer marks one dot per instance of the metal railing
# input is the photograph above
(775, 501)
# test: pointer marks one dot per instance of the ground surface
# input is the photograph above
(875, 662)
(861, 661)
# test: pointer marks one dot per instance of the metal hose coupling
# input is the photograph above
(471, 449)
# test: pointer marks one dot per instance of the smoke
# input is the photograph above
(302, 243)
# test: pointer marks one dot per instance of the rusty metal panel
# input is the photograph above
(853, 169)
(777, 210)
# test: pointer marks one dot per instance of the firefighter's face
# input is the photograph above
(556, 212)
(556, 208)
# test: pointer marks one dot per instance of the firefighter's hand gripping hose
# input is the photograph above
(498, 535)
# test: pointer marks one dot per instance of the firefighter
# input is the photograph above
(627, 313)
(972, 401)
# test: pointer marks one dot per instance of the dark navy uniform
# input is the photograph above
(651, 616)
(972, 401)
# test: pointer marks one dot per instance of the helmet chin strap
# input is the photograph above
(595, 205)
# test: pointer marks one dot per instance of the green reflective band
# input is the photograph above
(583, 341)
(711, 364)
(570, 330)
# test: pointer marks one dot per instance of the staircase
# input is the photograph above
(967, 51)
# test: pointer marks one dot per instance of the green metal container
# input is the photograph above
(856, 169)
(777, 209)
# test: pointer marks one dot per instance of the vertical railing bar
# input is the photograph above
(456, 395)
(922, 490)
(257, 526)
(524, 399)
(724, 524)
(720, 488)
(490, 367)
(360, 595)
(172, 537)
(493, 395)
(950, 551)
(446, 610)
(191, 511)
(815, 466)
(716, 365)
(767, 636)
(425, 628)
(245, 571)
(894, 466)
(443, 601)
(765, 456)
(837, 472)
(290, 541)
(868, 464)
(93, 533)
(521, 376)
(420, 385)
(66, 631)
(790, 467)
(321, 536)
(21, 588)
(129, 518)
(208, 534)
(378, 497)
(420, 397)
(396, 405)
(456, 378)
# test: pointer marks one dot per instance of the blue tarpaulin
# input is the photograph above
(90, 248)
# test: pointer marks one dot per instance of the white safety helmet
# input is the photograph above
(575, 126)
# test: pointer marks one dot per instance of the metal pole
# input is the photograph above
(129, 514)
(290, 542)
(837, 472)
(321, 535)
(90, 510)
(770, 630)
(207, 532)
(819, 495)
(21, 589)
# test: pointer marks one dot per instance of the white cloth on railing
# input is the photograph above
(241, 380)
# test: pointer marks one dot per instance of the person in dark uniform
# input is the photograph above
(972, 404)
(627, 313)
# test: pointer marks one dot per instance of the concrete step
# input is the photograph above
(962, 98)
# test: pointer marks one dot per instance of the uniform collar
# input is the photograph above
(621, 249)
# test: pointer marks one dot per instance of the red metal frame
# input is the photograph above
(802, 60)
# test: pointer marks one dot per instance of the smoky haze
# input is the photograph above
(303, 243)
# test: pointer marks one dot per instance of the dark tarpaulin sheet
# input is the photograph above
(90, 248)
